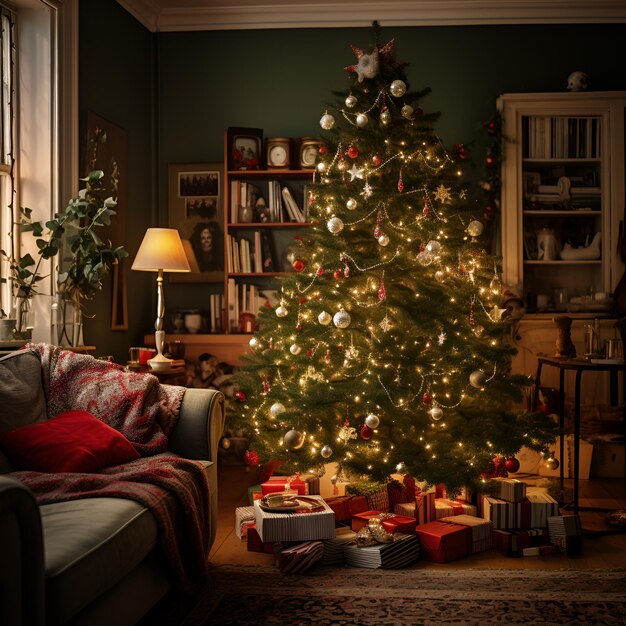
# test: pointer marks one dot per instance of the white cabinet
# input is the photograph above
(563, 197)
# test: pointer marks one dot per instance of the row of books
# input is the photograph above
(247, 298)
(561, 137)
(281, 206)
(247, 256)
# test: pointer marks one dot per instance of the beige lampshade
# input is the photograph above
(161, 249)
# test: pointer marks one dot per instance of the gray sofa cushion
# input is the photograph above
(22, 399)
(90, 545)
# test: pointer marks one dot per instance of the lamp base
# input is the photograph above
(159, 362)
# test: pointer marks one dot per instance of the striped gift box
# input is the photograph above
(481, 530)
(333, 548)
(405, 508)
(299, 558)
(295, 526)
(509, 489)
(447, 508)
(532, 512)
(244, 517)
(425, 506)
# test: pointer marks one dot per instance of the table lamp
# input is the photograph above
(161, 251)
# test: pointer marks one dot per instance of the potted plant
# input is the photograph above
(74, 229)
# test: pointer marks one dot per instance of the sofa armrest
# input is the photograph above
(200, 425)
(22, 575)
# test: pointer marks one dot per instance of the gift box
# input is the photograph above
(448, 508)
(277, 484)
(399, 524)
(443, 542)
(532, 512)
(333, 548)
(340, 507)
(378, 501)
(565, 532)
(244, 518)
(254, 493)
(480, 531)
(256, 544)
(299, 558)
(509, 489)
(540, 550)
(425, 506)
(514, 542)
(362, 519)
(407, 509)
(402, 551)
(296, 525)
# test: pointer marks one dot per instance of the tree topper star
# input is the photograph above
(367, 64)
(355, 172)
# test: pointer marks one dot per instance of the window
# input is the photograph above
(39, 126)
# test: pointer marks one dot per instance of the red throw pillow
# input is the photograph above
(75, 441)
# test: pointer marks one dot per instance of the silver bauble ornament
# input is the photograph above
(362, 120)
(440, 275)
(407, 111)
(277, 408)
(342, 319)
(334, 225)
(225, 443)
(385, 117)
(436, 413)
(475, 228)
(372, 421)
(295, 349)
(327, 121)
(254, 342)
(477, 378)
(326, 452)
(351, 101)
(425, 258)
(281, 311)
(383, 240)
(351, 204)
(293, 439)
(324, 318)
(321, 166)
(397, 88)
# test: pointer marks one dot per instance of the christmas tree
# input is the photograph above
(389, 351)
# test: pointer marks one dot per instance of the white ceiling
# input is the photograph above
(188, 15)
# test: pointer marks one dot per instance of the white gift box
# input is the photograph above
(293, 526)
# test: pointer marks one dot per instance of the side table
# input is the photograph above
(579, 366)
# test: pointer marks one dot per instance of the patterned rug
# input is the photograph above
(261, 595)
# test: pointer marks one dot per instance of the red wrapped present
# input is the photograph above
(443, 542)
(440, 490)
(514, 542)
(399, 524)
(396, 493)
(358, 504)
(448, 508)
(425, 506)
(276, 484)
(340, 506)
(255, 544)
(481, 531)
(254, 493)
(362, 519)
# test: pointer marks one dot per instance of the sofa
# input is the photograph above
(94, 559)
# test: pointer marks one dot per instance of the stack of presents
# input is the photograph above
(401, 523)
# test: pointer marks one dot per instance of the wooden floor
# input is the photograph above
(599, 551)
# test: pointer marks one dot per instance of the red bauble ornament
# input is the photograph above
(298, 265)
(489, 209)
(491, 127)
(366, 432)
(303, 300)
(353, 152)
(298, 326)
(512, 465)
(400, 185)
(544, 407)
(427, 398)
(320, 271)
(376, 160)
(490, 161)
(338, 274)
(322, 149)
(240, 396)
(251, 458)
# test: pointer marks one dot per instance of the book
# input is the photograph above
(291, 206)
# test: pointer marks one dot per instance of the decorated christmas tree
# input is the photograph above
(389, 350)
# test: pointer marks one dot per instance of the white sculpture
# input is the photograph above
(577, 81)
(588, 252)
(547, 245)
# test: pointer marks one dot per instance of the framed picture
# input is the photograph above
(196, 210)
(245, 148)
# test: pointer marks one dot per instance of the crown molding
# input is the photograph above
(158, 15)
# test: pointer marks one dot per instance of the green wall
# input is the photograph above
(197, 84)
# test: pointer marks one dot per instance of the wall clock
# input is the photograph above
(308, 152)
(277, 153)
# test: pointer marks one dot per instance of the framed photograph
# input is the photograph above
(245, 148)
(195, 202)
